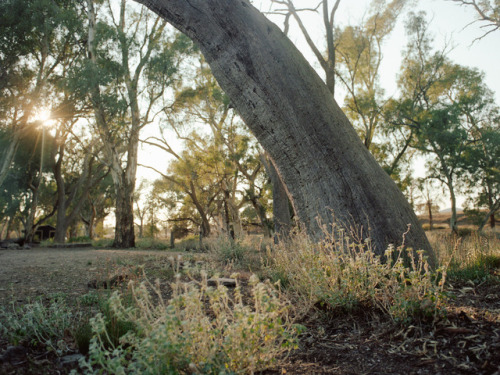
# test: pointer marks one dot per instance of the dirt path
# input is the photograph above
(26, 274)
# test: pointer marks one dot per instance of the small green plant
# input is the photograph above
(228, 251)
(89, 299)
(47, 242)
(103, 242)
(37, 324)
(152, 243)
(80, 239)
(82, 335)
(200, 330)
(188, 243)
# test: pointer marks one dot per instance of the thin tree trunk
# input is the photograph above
(329, 174)
(490, 215)
(8, 157)
(429, 208)
(8, 228)
(453, 201)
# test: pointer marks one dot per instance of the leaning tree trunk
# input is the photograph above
(328, 172)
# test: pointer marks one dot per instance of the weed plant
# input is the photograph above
(343, 276)
(471, 258)
(200, 329)
(235, 254)
(38, 324)
(103, 242)
(152, 244)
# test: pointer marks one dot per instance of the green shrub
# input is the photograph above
(228, 251)
(152, 243)
(80, 239)
(470, 258)
(463, 232)
(200, 330)
(103, 242)
(188, 243)
(82, 335)
(37, 324)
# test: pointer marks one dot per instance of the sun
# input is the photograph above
(42, 115)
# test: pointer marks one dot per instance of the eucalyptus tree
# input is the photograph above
(76, 171)
(133, 59)
(192, 182)
(326, 59)
(482, 117)
(443, 105)
(242, 176)
(487, 13)
(38, 39)
(99, 202)
(290, 110)
(359, 57)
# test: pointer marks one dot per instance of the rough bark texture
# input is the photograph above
(124, 213)
(281, 207)
(284, 102)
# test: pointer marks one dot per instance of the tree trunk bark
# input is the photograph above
(453, 201)
(329, 173)
(8, 156)
(124, 215)
(281, 204)
(429, 208)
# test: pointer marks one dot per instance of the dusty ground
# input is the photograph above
(27, 274)
(466, 342)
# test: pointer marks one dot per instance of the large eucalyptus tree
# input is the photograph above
(329, 173)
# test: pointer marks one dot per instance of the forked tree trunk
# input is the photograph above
(325, 166)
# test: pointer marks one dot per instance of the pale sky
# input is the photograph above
(448, 25)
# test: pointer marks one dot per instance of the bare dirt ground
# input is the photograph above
(41, 272)
(467, 341)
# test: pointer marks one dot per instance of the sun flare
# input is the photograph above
(43, 115)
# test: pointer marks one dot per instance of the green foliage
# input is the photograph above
(471, 258)
(343, 276)
(199, 330)
(37, 324)
(228, 251)
(152, 243)
(80, 239)
(188, 243)
(103, 242)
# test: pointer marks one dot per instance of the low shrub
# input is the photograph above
(188, 243)
(37, 324)
(343, 276)
(470, 258)
(80, 239)
(201, 329)
(227, 251)
(152, 243)
(103, 242)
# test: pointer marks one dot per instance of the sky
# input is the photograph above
(451, 25)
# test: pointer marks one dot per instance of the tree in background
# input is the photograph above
(38, 40)
(487, 13)
(133, 60)
(429, 197)
(444, 107)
